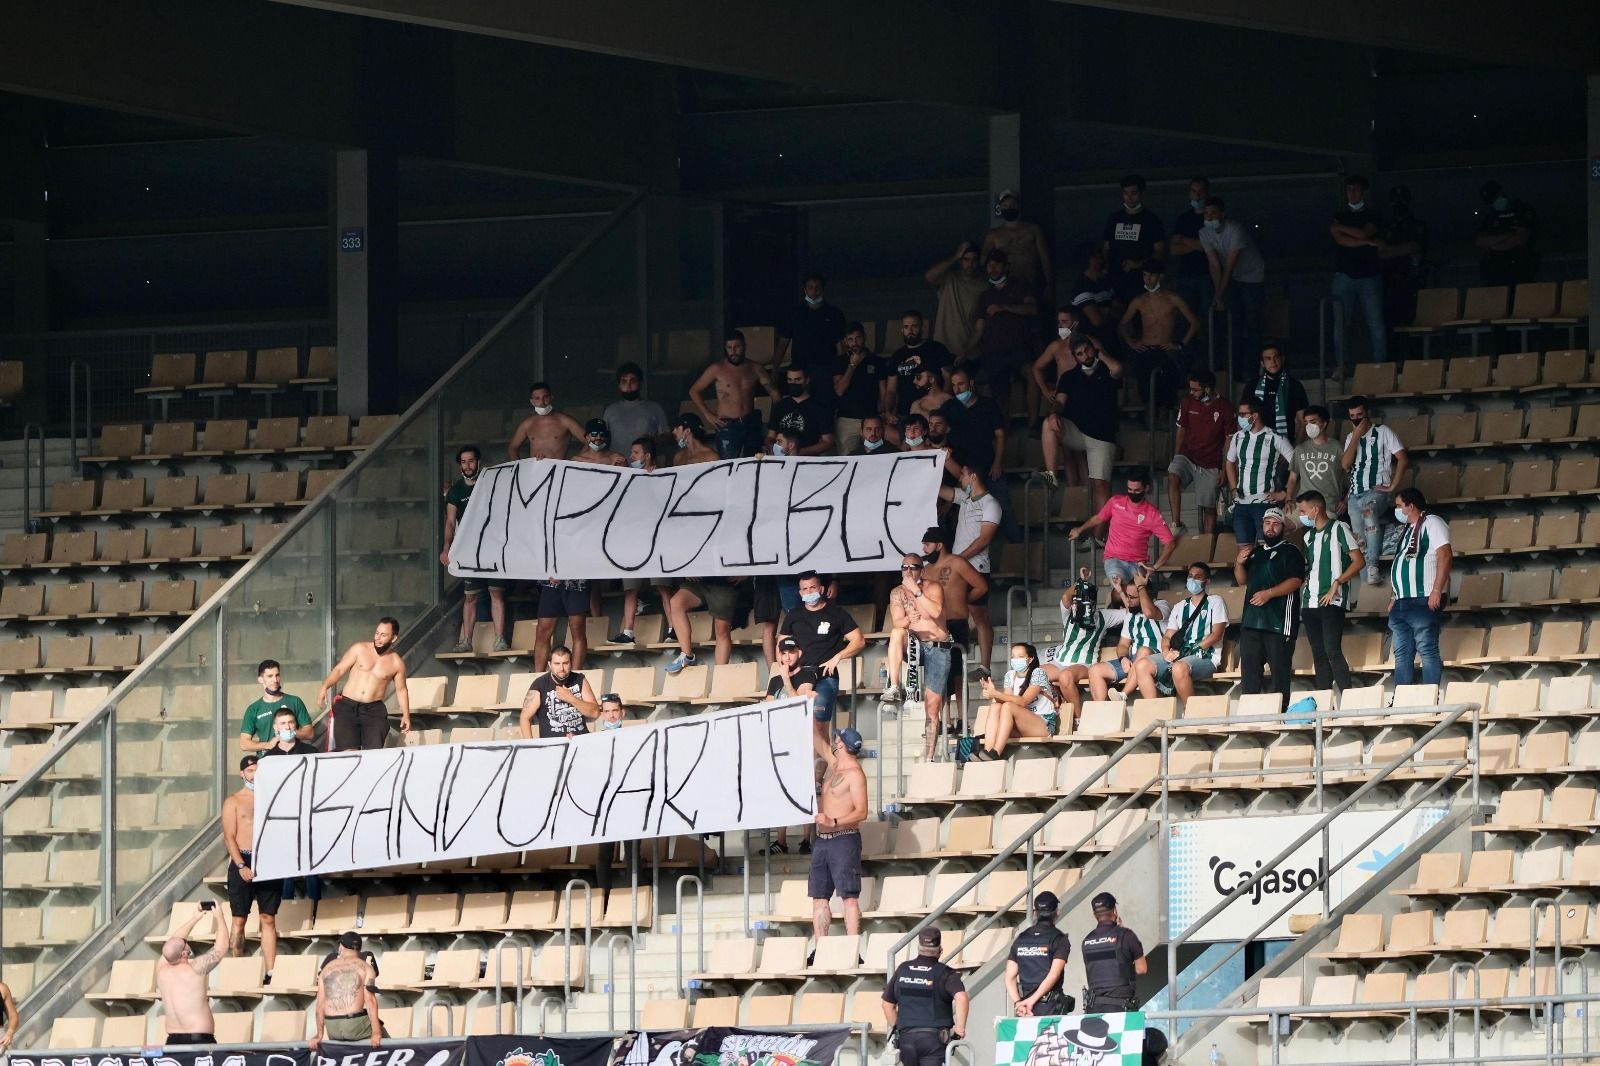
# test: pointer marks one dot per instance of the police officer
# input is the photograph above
(926, 1004)
(1037, 962)
(1112, 958)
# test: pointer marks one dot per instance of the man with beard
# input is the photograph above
(1271, 572)
(916, 353)
(872, 441)
(558, 701)
(690, 434)
(470, 460)
(546, 432)
(860, 383)
(631, 416)
(597, 446)
(814, 328)
(808, 417)
(959, 283)
(360, 721)
(736, 421)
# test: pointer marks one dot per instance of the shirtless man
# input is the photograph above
(1157, 341)
(238, 832)
(181, 980)
(961, 584)
(916, 609)
(836, 851)
(597, 446)
(9, 1004)
(1056, 359)
(547, 432)
(347, 1001)
(931, 394)
(736, 421)
(690, 433)
(360, 720)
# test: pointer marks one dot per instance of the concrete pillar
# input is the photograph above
(364, 243)
(23, 185)
(1020, 160)
(1594, 210)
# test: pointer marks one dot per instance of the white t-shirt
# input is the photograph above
(1374, 463)
(1249, 268)
(1416, 563)
(969, 524)
(1041, 704)
(1191, 623)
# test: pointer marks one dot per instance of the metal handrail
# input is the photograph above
(31, 430)
(700, 923)
(449, 1017)
(611, 980)
(588, 931)
(307, 514)
(508, 941)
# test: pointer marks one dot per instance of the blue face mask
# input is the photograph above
(1018, 665)
(813, 301)
(637, 464)
(964, 396)
(913, 442)
(1359, 205)
(607, 724)
(1244, 423)
(1196, 205)
(1214, 225)
(1306, 521)
(1195, 586)
(777, 449)
(1501, 203)
(872, 445)
(1400, 516)
(809, 598)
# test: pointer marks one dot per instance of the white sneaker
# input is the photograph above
(892, 695)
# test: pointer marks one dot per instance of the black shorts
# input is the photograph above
(959, 632)
(835, 867)
(359, 726)
(558, 602)
(979, 601)
(176, 1039)
(265, 895)
(767, 605)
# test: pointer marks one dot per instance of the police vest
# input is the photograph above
(918, 989)
(1032, 951)
(1104, 968)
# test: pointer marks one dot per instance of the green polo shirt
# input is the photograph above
(258, 716)
(1266, 567)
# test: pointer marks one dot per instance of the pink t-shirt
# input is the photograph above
(1129, 527)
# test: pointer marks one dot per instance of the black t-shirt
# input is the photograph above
(1357, 262)
(1188, 224)
(821, 634)
(972, 429)
(802, 675)
(1092, 400)
(555, 716)
(1132, 236)
(814, 334)
(860, 397)
(1516, 264)
(907, 361)
(300, 748)
(807, 419)
(884, 448)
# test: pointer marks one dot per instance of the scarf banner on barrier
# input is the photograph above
(723, 1046)
(548, 518)
(745, 768)
(175, 1056)
(389, 1053)
(536, 1051)
(1070, 1040)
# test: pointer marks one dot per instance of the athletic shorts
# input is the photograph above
(835, 867)
(359, 726)
(720, 600)
(474, 585)
(558, 602)
(1204, 481)
(1099, 455)
(265, 894)
(959, 632)
(979, 601)
(767, 606)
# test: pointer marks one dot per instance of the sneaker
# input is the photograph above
(622, 637)
(679, 661)
(461, 647)
(777, 848)
(805, 846)
(1050, 478)
(266, 978)
(892, 695)
(501, 645)
(1370, 576)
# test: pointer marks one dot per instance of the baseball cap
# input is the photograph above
(351, 940)
(934, 535)
(1005, 193)
(930, 938)
(851, 740)
(788, 644)
(1105, 901)
(691, 421)
(249, 760)
(596, 425)
(1046, 903)
(1273, 512)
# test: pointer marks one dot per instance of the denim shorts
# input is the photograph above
(935, 667)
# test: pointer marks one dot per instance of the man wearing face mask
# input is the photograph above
(631, 416)
(736, 421)
(1056, 359)
(827, 636)
(1191, 641)
(1271, 572)
(808, 417)
(1420, 584)
(258, 731)
(1093, 296)
(1314, 466)
(1023, 243)
(1376, 462)
(689, 433)
(244, 890)
(1192, 278)
(1157, 347)
(1204, 424)
(1084, 419)
(959, 282)
(1402, 249)
(872, 440)
(814, 329)
(1507, 234)
(860, 386)
(1254, 453)
(286, 741)
(978, 430)
(915, 436)
(597, 446)
(917, 352)
(1130, 521)
(547, 432)
(1279, 393)
(1132, 236)
(1002, 341)
(916, 609)
(1238, 277)
(1332, 562)
(1356, 272)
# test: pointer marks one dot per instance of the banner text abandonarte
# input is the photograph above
(534, 519)
(745, 768)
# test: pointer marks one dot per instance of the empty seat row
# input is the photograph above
(1466, 430)
(1514, 372)
(1497, 479)
(71, 655)
(98, 599)
(115, 547)
(233, 437)
(228, 372)
(1481, 309)
(1542, 871)
(182, 492)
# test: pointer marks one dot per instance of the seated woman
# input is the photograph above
(1023, 706)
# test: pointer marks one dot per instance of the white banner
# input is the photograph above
(541, 518)
(1210, 857)
(745, 768)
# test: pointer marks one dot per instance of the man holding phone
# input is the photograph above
(181, 980)
(238, 831)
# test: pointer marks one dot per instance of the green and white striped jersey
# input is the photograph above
(1190, 623)
(1328, 552)
(1374, 463)
(1143, 632)
(1080, 646)
(1416, 562)
(1256, 455)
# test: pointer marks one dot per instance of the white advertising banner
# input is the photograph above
(548, 518)
(1210, 857)
(745, 768)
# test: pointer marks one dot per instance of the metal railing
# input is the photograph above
(76, 369)
(31, 431)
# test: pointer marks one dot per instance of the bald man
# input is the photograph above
(181, 979)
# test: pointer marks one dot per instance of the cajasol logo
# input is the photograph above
(1227, 877)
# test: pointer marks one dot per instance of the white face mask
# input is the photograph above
(637, 464)
(1153, 288)
(913, 442)
(1359, 205)
(286, 735)
(543, 410)
(606, 723)
(872, 445)
(1313, 430)
(251, 785)
(593, 447)
(1063, 332)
